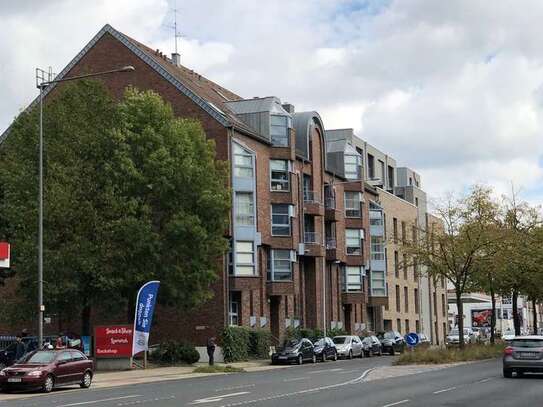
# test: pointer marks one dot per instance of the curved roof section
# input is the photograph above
(303, 123)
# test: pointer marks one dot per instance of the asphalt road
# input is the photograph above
(341, 384)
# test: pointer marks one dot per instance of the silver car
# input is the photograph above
(524, 354)
(348, 346)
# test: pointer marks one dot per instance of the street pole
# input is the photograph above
(41, 83)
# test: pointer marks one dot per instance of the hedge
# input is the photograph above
(173, 352)
(235, 344)
(260, 341)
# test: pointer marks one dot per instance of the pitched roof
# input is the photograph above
(210, 96)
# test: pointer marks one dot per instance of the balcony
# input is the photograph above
(313, 245)
(312, 203)
(310, 196)
(311, 238)
(332, 214)
(331, 243)
(330, 202)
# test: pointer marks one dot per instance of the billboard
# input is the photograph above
(481, 318)
(113, 341)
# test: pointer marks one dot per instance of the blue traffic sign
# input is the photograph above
(412, 339)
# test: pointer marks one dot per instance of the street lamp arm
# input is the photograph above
(127, 68)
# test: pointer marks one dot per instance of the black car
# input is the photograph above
(392, 342)
(325, 349)
(295, 350)
(371, 346)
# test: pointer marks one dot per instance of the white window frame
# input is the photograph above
(359, 237)
(283, 138)
(284, 184)
(357, 284)
(377, 248)
(233, 313)
(244, 219)
(244, 265)
(272, 264)
(352, 164)
(239, 151)
(355, 210)
(281, 225)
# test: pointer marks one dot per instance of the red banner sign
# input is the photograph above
(113, 341)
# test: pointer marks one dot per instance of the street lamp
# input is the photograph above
(41, 84)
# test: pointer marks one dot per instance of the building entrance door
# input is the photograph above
(275, 302)
(347, 311)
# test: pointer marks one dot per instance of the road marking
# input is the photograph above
(294, 379)
(243, 386)
(350, 371)
(338, 369)
(213, 399)
(484, 380)
(396, 403)
(444, 390)
(100, 401)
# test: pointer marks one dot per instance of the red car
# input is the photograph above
(47, 369)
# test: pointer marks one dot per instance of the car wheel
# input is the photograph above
(323, 356)
(300, 360)
(314, 359)
(367, 354)
(350, 354)
(380, 352)
(48, 384)
(86, 381)
(508, 373)
(520, 373)
(335, 356)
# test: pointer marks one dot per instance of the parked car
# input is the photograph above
(392, 342)
(453, 338)
(47, 369)
(295, 350)
(348, 346)
(508, 335)
(423, 340)
(371, 346)
(524, 354)
(325, 349)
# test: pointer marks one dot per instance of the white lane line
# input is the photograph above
(100, 401)
(444, 390)
(243, 386)
(213, 399)
(350, 371)
(397, 403)
(338, 369)
(484, 380)
(294, 379)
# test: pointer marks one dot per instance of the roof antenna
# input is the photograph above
(176, 58)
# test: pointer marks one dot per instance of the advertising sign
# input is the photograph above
(113, 341)
(4, 254)
(145, 306)
(481, 318)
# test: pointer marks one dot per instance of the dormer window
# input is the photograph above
(279, 126)
(352, 167)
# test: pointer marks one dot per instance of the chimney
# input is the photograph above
(176, 59)
(288, 107)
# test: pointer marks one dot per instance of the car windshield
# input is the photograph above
(320, 342)
(340, 340)
(389, 335)
(291, 343)
(40, 358)
(527, 343)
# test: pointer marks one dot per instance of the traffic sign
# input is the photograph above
(412, 339)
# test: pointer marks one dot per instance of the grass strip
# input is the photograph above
(434, 356)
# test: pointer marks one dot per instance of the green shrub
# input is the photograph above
(172, 352)
(260, 341)
(235, 344)
(337, 332)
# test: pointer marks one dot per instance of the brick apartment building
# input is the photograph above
(303, 206)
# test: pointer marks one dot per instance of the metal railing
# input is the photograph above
(310, 196)
(330, 202)
(311, 237)
(331, 243)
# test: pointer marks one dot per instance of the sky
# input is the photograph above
(451, 89)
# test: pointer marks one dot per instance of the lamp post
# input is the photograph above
(41, 84)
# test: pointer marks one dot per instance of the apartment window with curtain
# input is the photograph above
(398, 300)
(243, 162)
(245, 259)
(280, 220)
(279, 175)
(396, 264)
(353, 278)
(280, 265)
(244, 205)
(353, 241)
(352, 204)
(406, 299)
(279, 130)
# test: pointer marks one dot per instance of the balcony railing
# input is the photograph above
(331, 243)
(311, 238)
(310, 196)
(330, 202)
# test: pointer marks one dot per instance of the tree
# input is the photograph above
(455, 250)
(131, 194)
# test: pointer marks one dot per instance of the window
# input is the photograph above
(245, 259)
(405, 269)
(443, 306)
(243, 162)
(354, 278)
(417, 303)
(382, 168)
(280, 265)
(416, 202)
(371, 167)
(395, 229)
(399, 325)
(398, 309)
(233, 311)
(417, 326)
(435, 303)
(406, 299)
(280, 220)
(353, 241)
(407, 328)
(390, 177)
(442, 282)
(404, 233)
(352, 204)
(352, 167)
(377, 248)
(396, 265)
(279, 175)
(245, 209)
(279, 130)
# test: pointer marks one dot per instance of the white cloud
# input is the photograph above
(452, 89)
